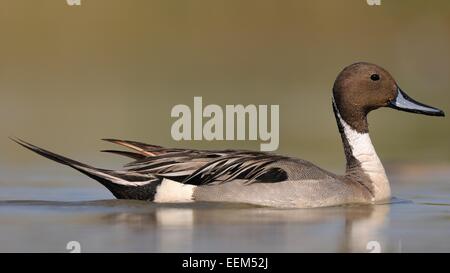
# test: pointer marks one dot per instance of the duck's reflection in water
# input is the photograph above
(364, 230)
(206, 227)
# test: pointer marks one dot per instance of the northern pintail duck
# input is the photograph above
(162, 175)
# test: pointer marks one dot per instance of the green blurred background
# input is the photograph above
(71, 75)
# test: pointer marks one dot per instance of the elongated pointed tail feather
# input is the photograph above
(124, 185)
(125, 153)
(134, 145)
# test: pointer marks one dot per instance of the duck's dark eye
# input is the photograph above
(375, 77)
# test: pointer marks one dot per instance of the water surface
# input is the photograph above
(44, 218)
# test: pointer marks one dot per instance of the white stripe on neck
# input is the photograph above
(362, 149)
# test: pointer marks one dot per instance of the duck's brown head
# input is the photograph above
(363, 87)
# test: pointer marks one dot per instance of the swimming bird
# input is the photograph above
(168, 175)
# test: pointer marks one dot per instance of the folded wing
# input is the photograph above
(201, 167)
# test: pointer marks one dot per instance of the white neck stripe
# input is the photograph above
(362, 150)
